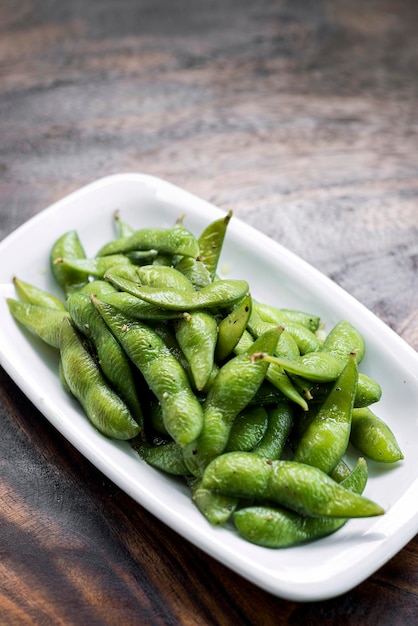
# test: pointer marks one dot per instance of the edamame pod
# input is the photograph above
(215, 507)
(179, 241)
(275, 374)
(267, 395)
(111, 356)
(325, 440)
(314, 366)
(232, 389)
(70, 247)
(373, 437)
(211, 242)
(166, 457)
(273, 527)
(167, 379)
(43, 322)
(222, 293)
(96, 267)
(136, 307)
(304, 489)
(344, 339)
(31, 294)
(196, 334)
(103, 406)
(279, 316)
(98, 288)
(368, 390)
(163, 276)
(305, 339)
(279, 426)
(287, 346)
(195, 271)
(247, 429)
(232, 327)
(340, 472)
(123, 228)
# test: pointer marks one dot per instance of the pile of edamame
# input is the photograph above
(253, 406)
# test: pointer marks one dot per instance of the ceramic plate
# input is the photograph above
(315, 571)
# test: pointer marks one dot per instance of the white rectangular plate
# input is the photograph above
(315, 571)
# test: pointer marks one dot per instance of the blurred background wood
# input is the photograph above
(302, 118)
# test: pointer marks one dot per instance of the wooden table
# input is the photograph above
(300, 117)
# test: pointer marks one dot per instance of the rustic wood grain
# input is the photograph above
(302, 118)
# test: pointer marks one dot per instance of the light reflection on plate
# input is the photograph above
(315, 571)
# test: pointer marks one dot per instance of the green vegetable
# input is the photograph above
(325, 440)
(103, 406)
(182, 412)
(234, 386)
(276, 527)
(304, 489)
(373, 437)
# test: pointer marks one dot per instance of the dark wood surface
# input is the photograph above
(299, 116)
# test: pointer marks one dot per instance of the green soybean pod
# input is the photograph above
(211, 241)
(222, 293)
(325, 440)
(153, 275)
(195, 271)
(280, 419)
(154, 417)
(304, 338)
(167, 334)
(103, 406)
(275, 374)
(275, 527)
(32, 294)
(136, 307)
(39, 320)
(166, 457)
(278, 377)
(344, 339)
(179, 241)
(165, 260)
(368, 390)
(267, 395)
(62, 378)
(247, 429)
(70, 247)
(123, 229)
(301, 488)
(280, 316)
(196, 334)
(287, 346)
(215, 507)
(232, 327)
(373, 437)
(96, 266)
(111, 357)
(235, 384)
(167, 379)
(341, 471)
(98, 287)
(314, 366)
